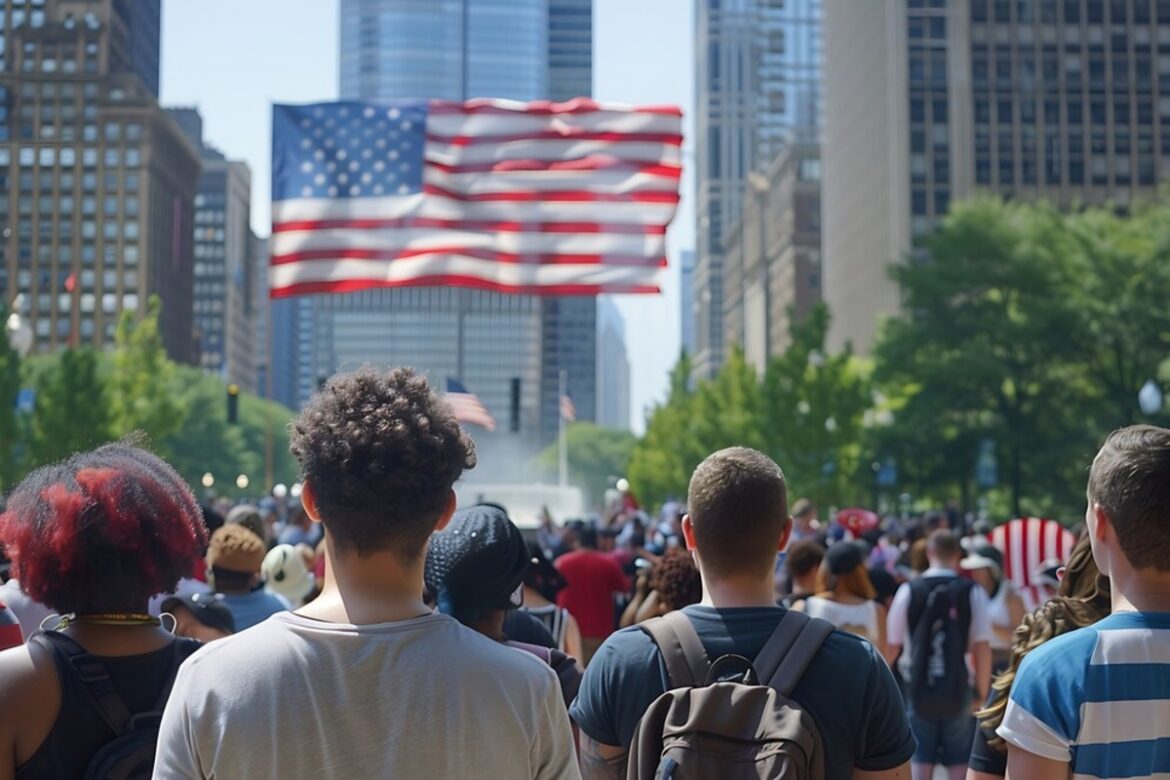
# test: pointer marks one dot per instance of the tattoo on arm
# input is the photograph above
(600, 761)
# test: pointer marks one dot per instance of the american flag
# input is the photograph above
(548, 198)
(1026, 543)
(467, 406)
(568, 409)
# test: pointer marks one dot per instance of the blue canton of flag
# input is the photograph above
(348, 150)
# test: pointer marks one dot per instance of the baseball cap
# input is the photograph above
(207, 608)
(477, 562)
(982, 556)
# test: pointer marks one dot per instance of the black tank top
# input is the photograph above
(80, 731)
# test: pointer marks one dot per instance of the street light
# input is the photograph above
(280, 490)
(208, 480)
(295, 490)
(1150, 398)
(242, 481)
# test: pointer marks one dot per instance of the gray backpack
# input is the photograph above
(719, 720)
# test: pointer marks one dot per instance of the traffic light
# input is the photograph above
(233, 404)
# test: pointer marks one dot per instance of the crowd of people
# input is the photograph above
(375, 629)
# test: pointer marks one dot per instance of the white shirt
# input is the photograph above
(897, 622)
(860, 619)
(427, 697)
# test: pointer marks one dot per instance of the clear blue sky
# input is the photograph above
(232, 59)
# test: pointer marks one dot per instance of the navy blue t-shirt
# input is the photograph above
(847, 689)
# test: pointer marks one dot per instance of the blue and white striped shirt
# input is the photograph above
(1098, 698)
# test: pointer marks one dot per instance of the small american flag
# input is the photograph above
(548, 198)
(568, 409)
(468, 408)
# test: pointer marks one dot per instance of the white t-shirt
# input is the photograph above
(859, 619)
(300, 698)
(897, 622)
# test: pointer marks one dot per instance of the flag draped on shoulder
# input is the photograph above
(546, 198)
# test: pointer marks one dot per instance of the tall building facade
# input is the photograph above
(687, 311)
(773, 255)
(929, 101)
(758, 88)
(570, 49)
(225, 314)
(613, 367)
(508, 349)
(96, 182)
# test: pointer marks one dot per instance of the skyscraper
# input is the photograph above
(772, 255)
(929, 101)
(570, 49)
(225, 317)
(757, 89)
(457, 49)
(96, 182)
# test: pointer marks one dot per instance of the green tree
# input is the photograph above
(989, 345)
(207, 443)
(9, 423)
(1121, 274)
(143, 390)
(71, 412)
(813, 407)
(596, 455)
(663, 459)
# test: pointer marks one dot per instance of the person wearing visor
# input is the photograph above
(984, 563)
(475, 571)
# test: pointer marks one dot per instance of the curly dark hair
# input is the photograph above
(676, 578)
(102, 531)
(381, 452)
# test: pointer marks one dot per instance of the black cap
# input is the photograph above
(843, 557)
(477, 562)
(207, 608)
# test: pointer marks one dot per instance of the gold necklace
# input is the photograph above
(118, 619)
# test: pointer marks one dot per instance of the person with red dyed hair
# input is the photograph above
(93, 538)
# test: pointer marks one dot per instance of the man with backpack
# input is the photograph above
(736, 686)
(934, 622)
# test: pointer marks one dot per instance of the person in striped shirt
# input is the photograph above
(1095, 703)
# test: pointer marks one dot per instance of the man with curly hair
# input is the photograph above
(367, 681)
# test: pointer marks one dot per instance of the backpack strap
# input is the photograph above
(790, 650)
(92, 674)
(681, 648)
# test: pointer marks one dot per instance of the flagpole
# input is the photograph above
(564, 439)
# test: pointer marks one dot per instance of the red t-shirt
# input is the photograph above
(593, 579)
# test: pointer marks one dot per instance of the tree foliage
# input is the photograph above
(71, 413)
(144, 394)
(806, 412)
(1026, 335)
(597, 456)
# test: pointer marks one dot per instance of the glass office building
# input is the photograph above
(757, 89)
(508, 349)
